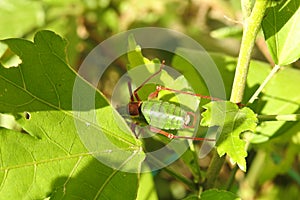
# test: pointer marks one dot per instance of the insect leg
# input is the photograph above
(160, 88)
(171, 136)
(130, 90)
(132, 127)
(147, 80)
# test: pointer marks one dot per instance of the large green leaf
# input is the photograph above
(282, 29)
(232, 121)
(57, 155)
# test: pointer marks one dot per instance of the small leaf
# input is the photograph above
(231, 121)
(135, 56)
(141, 68)
(218, 195)
(281, 28)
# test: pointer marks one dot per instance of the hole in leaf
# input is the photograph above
(27, 115)
(9, 58)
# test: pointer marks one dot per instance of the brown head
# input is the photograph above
(134, 108)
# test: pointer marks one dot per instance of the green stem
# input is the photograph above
(261, 87)
(213, 170)
(231, 178)
(197, 166)
(181, 178)
(192, 185)
(246, 8)
(251, 28)
(289, 117)
(174, 174)
(255, 171)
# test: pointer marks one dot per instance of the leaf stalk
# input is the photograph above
(288, 117)
(213, 170)
(262, 86)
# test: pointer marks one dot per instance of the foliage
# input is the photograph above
(231, 121)
(54, 144)
(281, 31)
(51, 152)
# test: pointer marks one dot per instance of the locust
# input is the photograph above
(162, 116)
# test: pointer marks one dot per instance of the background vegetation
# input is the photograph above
(273, 161)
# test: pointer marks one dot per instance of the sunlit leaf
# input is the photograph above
(282, 29)
(147, 187)
(232, 121)
(135, 56)
(56, 156)
(218, 195)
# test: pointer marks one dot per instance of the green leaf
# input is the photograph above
(232, 121)
(202, 73)
(258, 71)
(218, 195)
(282, 29)
(147, 187)
(181, 84)
(279, 97)
(135, 56)
(57, 155)
(141, 68)
(276, 98)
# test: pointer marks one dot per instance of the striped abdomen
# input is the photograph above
(164, 115)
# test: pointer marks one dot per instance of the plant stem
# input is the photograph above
(251, 28)
(213, 170)
(231, 178)
(181, 178)
(246, 8)
(261, 87)
(195, 155)
(174, 174)
(256, 168)
(288, 117)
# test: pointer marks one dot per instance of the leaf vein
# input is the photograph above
(71, 173)
(113, 174)
(67, 113)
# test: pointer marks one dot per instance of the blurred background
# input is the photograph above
(86, 23)
(215, 24)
